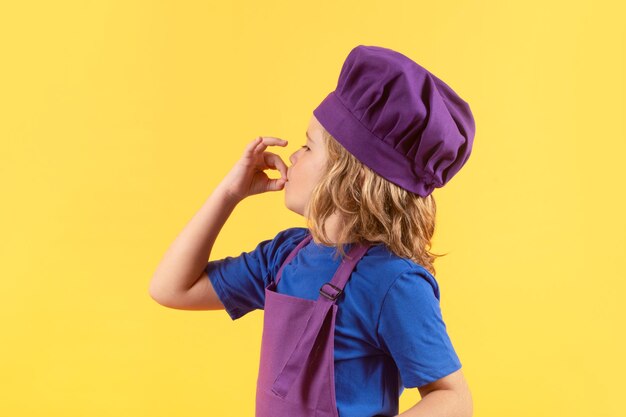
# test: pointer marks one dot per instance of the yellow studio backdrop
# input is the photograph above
(118, 119)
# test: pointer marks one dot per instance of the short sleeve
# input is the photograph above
(240, 281)
(411, 329)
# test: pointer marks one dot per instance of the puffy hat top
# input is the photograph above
(398, 119)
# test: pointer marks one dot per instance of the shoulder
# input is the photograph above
(415, 281)
(398, 273)
(410, 304)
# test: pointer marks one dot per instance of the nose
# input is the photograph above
(292, 158)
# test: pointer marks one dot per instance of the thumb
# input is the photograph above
(276, 184)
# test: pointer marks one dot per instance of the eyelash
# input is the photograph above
(304, 146)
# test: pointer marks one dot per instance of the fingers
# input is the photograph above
(259, 144)
(252, 145)
(262, 142)
(267, 160)
(274, 161)
(276, 184)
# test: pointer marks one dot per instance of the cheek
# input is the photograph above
(307, 171)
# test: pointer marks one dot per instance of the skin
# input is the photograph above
(307, 167)
(448, 396)
(180, 281)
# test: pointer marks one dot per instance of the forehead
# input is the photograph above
(315, 130)
(314, 125)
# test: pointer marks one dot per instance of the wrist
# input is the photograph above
(227, 194)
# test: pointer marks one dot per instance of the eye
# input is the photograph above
(304, 146)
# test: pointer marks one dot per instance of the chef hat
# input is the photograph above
(398, 119)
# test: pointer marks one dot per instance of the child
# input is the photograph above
(351, 306)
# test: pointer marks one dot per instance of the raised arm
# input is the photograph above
(185, 259)
(177, 279)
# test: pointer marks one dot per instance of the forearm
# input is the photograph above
(186, 257)
(441, 403)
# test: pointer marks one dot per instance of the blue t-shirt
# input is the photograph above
(389, 331)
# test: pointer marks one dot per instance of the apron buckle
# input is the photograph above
(330, 296)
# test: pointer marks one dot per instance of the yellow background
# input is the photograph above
(118, 118)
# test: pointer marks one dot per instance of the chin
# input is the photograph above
(292, 207)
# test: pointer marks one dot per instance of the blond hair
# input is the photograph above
(371, 209)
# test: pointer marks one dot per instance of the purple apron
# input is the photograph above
(297, 366)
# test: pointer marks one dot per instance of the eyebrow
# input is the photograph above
(309, 137)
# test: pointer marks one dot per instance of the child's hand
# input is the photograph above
(247, 178)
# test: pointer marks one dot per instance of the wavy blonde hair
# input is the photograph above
(370, 209)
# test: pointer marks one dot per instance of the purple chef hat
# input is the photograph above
(398, 119)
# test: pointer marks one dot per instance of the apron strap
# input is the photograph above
(298, 358)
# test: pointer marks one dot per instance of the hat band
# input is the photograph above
(372, 151)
